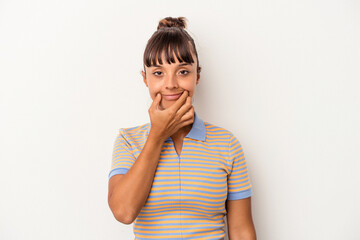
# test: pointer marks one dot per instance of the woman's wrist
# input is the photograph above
(156, 137)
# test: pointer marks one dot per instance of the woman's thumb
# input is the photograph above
(157, 100)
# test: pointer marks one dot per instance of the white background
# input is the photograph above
(283, 76)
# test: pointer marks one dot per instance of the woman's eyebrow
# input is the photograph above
(182, 64)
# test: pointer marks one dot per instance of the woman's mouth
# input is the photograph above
(172, 96)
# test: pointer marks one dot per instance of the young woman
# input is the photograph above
(177, 176)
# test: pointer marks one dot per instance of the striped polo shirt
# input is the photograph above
(189, 191)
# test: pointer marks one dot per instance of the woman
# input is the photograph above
(178, 176)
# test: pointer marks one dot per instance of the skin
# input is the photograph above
(239, 219)
(169, 79)
(172, 79)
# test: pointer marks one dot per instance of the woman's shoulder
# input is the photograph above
(222, 136)
(222, 139)
(216, 130)
(134, 131)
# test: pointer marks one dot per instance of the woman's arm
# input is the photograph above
(239, 219)
(128, 192)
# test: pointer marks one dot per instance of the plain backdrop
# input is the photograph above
(282, 75)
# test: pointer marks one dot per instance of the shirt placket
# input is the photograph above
(179, 179)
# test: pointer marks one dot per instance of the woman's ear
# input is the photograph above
(144, 78)
(197, 78)
(198, 75)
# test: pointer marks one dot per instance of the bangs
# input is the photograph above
(169, 45)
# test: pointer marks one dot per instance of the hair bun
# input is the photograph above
(172, 22)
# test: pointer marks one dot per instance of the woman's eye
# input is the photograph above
(155, 73)
(186, 71)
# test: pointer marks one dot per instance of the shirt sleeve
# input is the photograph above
(239, 185)
(122, 157)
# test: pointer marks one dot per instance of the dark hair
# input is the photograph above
(170, 37)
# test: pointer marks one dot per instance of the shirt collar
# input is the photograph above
(198, 130)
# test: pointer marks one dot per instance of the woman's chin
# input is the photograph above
(165, 105)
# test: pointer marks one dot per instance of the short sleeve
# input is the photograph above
(122, 157)
(239, 185)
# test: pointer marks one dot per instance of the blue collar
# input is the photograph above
(198, 130)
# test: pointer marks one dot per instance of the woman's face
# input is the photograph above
(169, 79)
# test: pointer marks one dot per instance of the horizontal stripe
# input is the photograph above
(188, 195)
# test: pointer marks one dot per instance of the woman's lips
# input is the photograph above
(172, 97)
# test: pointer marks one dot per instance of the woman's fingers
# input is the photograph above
(179, 102)
(185, 107)
(168, 121)
(156, 102)
(188, 117)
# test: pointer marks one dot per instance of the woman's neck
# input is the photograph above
(181, 133)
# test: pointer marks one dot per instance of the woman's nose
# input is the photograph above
(171, 81)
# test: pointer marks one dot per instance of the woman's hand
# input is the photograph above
(165, 123)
